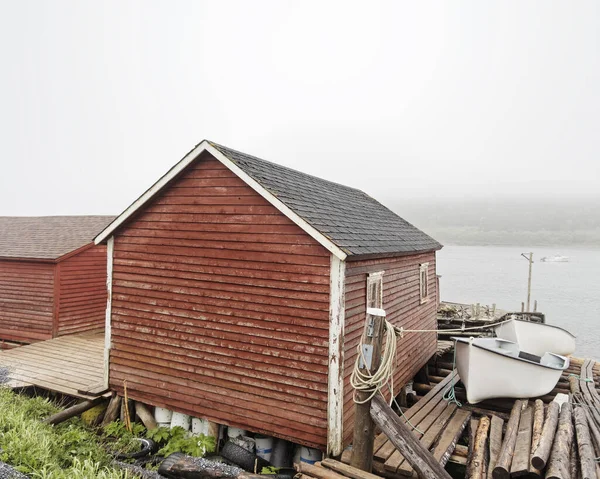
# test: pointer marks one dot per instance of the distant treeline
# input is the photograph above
(506, 221)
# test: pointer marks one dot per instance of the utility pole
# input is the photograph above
(530, 259)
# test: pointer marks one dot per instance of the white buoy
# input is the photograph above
(310, 455)
(199, 426)
(182, 420)
(264, 446)
(162, 414)
(235, 432)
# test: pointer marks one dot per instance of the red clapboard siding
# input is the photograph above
(82, 294)
(26, 300)
(402, 303)
(220, 309)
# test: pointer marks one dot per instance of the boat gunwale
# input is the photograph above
(533, 322)
(563, 358)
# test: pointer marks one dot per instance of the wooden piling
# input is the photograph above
(520, 462)
(476, 467)
(536, 434)
(584, 444)
(501, 471)
(495, 442)
(364, 427)
(542, 453)
(559, 464)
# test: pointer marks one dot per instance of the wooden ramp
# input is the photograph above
(72, 365)
(437, 424)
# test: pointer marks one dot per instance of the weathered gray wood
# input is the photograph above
(538, 424)
(145, 416)
(317, 472)
(476, 468)
(72, 411)
(346, 470)
(402, 438)
(502, 468)
(447, 441)
(495, 442)
(364, 428)
(574, 385)
(520, 462)
(113, 411)
(473, 425)
(559, 466)
(574, 459)
(542, 453)
(585, 449)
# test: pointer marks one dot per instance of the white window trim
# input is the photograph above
(376, 277)
(424, 267)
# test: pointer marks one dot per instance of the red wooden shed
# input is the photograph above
(239, 289)
(52, 276)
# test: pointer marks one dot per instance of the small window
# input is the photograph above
(424, 285)
(375, 290)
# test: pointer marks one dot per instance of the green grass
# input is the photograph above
(67, 451)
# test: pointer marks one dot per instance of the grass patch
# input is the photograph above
(67, 451)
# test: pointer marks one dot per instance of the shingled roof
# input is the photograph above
(355, 222)
(349, 220)
(47, 237)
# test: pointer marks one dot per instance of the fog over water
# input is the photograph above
(566, 292)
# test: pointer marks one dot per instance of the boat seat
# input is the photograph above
(530, 357)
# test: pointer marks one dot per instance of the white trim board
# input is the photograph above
(110, 245)
(184, 163)
(335, 383)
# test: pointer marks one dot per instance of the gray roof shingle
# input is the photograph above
(47, 237)
(351, 219)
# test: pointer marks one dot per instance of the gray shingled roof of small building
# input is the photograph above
(47, 237)
(351, 219)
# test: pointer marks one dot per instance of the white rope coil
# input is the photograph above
(373, 382)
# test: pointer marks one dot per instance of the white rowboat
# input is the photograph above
(536, 338)
(496, 368)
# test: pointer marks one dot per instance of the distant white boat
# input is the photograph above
(536, 338)
(557, 258)
(497, 368)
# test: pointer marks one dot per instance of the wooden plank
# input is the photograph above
(520, 462)
(430, 436)
(403, 439)
(447, 441)
(495, 442)
(418, 430)
(422, 409)
(347, 470)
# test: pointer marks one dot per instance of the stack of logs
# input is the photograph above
(331, 469)
(557, 441)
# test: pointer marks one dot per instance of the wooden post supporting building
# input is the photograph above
(364, 428)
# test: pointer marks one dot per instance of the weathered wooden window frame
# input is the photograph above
(423, 282)
(375, 279)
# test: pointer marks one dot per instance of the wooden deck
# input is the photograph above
(437, 424)
(71, 365)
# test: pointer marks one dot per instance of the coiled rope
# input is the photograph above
(372, 382)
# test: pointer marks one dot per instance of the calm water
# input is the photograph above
(568, 293)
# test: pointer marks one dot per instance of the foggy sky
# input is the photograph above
(405, 100)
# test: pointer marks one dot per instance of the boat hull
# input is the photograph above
(489, 374)
(537, 338)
